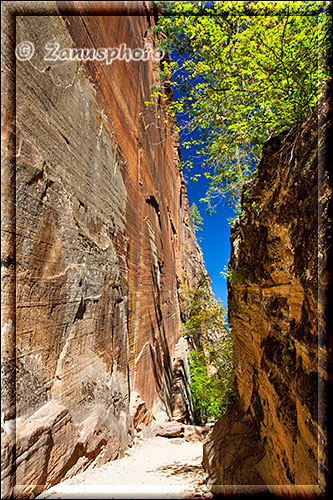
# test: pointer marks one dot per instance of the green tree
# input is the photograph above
(244, 70)
(196, 218)
(210, 360)
(212, 375)
(202, 315)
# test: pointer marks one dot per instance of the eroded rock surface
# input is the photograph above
(97, 235)
(271, 434)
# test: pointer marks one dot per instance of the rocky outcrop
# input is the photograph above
(273, 437)
(49, 446)
(139, 411)
(96, 236)
(175, 430)
(181, 399)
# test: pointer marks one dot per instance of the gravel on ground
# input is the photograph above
(156, 468)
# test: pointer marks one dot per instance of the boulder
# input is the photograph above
(101, 436)
(45, 443)
(145, 431)
(7, 458)
(139, 411)
(168, 429)
(196, 433)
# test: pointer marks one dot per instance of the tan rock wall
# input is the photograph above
(97, 229)
(274, 435)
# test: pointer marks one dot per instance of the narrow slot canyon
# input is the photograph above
(104, 283)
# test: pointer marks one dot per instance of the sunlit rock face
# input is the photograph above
(270, 435)
(103, 238)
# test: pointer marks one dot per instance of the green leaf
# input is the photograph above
(245, 71)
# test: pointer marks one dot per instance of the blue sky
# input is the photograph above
(214, 237)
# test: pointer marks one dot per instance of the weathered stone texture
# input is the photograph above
(97, 231)
(181, 399)
(274, 434)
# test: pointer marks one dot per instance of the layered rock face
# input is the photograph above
(273, 437)
(97, 235)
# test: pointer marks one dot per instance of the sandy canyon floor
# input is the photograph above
(153, 468)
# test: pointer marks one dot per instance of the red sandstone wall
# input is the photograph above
(96, 233)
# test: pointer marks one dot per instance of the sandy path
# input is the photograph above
(153, 468)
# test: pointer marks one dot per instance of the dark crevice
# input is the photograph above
(8, 261)
(47, 186)
(37, 177)
(81, 310)
(66, 140)
(154, 203)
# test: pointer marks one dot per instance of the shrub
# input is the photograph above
(212, 376)
(210, 359)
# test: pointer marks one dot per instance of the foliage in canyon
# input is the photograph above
(210, 360)
(243, 71)
(196, 218)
